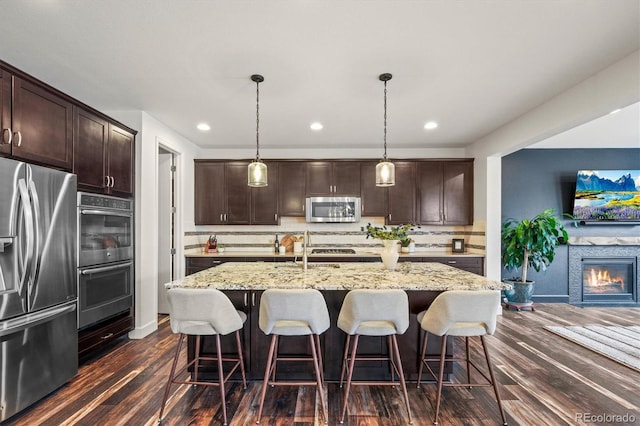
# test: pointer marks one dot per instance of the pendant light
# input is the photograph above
(257, 170)
(385, 170)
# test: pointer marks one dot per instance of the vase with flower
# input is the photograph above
(391, 238)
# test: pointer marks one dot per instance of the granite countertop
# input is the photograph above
(336, 276)
(367, 253)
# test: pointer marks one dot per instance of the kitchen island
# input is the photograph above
(245, 282)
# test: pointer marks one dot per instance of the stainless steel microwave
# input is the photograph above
(332, 209)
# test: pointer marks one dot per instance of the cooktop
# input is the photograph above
(332, 251)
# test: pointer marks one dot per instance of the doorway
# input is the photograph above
(166, 224)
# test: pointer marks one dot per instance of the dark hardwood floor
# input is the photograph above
(544, 380)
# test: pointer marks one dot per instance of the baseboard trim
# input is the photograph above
(143, 331)
(550, 298)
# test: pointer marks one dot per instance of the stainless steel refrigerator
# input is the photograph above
(38, 291)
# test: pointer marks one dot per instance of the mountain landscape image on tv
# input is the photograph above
(603, 195)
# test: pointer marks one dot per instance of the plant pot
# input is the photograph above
(520, 293)
(404, 250)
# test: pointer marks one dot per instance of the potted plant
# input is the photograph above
(529, 243)
(390, 237)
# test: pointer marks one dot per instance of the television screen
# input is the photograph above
(603, 195)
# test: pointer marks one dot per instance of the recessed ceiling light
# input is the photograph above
(203, 127)
(615, 110)
(430, 125)
(316, 126)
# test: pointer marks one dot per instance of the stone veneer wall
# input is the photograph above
(260, 238)
(592, 247)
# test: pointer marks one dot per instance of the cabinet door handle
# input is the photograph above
(452, 262)
(220, 217)
(19, 138)
(246, 299)
(389, 217)
(113, 182)
(275, 216)
(253, 299)
(7, 130)
(107, 336)
(106, 178)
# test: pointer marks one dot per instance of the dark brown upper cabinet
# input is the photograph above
(373, 198)
(103, 154)
(222, 196)
(402, 196)
(120, 163)
(209, 193)
(264, 200)
(36, 123)
(445, 192)
(333, 178)
(5, 112)
(291, 188)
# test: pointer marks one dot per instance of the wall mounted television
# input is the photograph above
(607, 195)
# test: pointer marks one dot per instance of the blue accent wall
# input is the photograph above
(537, 179)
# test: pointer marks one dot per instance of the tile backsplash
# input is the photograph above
(260, 238)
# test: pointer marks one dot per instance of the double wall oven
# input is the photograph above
(105, 257)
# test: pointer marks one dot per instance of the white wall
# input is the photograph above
(614, 87)
(151, 135)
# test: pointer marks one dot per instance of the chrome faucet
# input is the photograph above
(305, 242)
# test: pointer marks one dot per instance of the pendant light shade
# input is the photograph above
(257, 170)
(385, 170)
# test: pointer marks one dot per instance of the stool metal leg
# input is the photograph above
(394, 340)
(423, 353)
(493, 380)
(319, 352)
(171, 374)
(349, 375)
(344, 358)
(223, 397)
(443, 351)
(267, 374)
(316, 366)
(466, 344)
(241, 360)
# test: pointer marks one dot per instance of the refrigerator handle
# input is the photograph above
(28, 221)
(37, 243)
(16, 325)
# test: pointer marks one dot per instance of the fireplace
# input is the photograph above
(608, 279)
(603, 274)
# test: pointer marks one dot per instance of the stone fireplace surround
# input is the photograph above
(593, 247)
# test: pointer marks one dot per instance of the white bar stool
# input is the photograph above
(460, 313)
(297, 312)
(374, 313)
(204, 312)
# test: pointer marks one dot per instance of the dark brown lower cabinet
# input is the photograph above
(94, 338)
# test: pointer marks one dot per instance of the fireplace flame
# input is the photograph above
(600, 277)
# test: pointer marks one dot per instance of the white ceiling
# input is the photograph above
(471, 65)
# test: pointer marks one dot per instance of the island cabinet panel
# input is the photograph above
(291, 188)
(373, 199)
(445, 192)
(402, 196)
(41, 126)
(333, 178)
